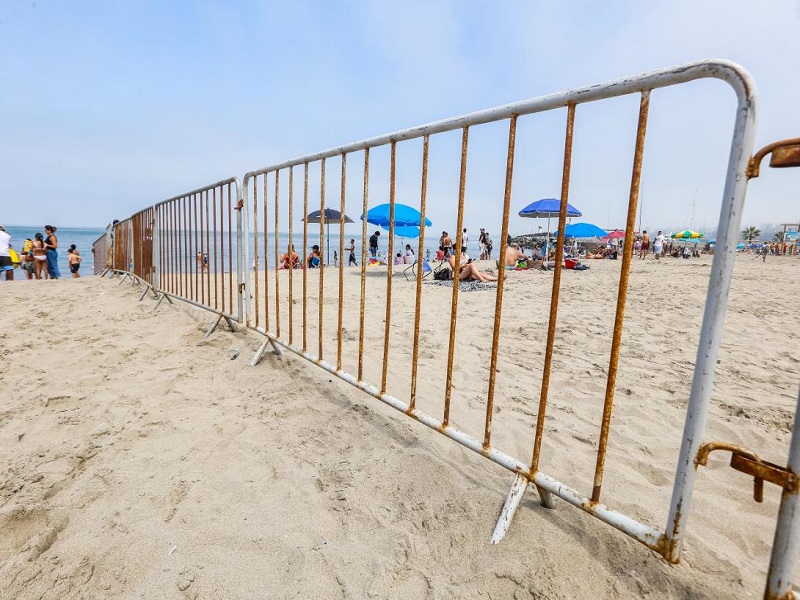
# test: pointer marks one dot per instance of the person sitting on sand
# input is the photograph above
(514, 255)
(290, 261)
(314, 258)
(469, 271)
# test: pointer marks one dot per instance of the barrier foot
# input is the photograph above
(545, 498)
(231, 324)
(144, 293)
(212, 328)
(160, 297)
(121, 279)
(104, 272)
(260, 352)
(518, 487)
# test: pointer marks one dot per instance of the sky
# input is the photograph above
(108, 107)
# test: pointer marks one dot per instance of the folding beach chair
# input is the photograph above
(426, 269)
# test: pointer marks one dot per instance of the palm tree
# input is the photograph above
(779, 236)
(750, 233)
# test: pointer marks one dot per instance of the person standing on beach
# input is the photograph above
(464, 240)
(39, 256)
(352, 249)
(5, 256)
(373, 244)
(51, 246)
(658, 245)
(482, 245)
(645, 245)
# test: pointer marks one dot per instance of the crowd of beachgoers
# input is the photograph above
(37, 256)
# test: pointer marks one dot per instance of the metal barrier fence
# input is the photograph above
(271, 306)
(198, 250)
(101, 252)
(184, 247)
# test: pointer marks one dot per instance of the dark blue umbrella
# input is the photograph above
(547, 207)
(404, 216)
(583, 230)
(331, 216)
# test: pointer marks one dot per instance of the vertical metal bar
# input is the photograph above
(786, 545)
(176, 276)
(194, 251)
(341, 265)
(216, 264)
(207, 251)
(266, 257)
(448, 390)
(203, 196)
(622, 294)
(222, 244)
(501, 275)
(321, 262)
(389, 267)
(713, 318)
(277, 273)
(420, 272)
(551, 327)
(230, 250)
(363, 267)
(305, 250)
(290, 248)
(186, 289)
(256, 290)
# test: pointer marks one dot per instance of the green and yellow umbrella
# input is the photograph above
(686, 234)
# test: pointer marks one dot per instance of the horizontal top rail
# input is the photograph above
(234, 180)
(732, 73)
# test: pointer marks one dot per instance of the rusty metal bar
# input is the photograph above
(389, 267)
(341, 264)
(420, 273)
(551, 327)
(266, 253)
(277, 248)
(186, 288)
(216, 263)
(305, 250)
(290, 249)
(230, 250)
(451, 348)
(622, 294)
(196, 296)
(501, 275)
(321, 302)
(363, 267)
(222, 243)
(255, 255)
(207, 260)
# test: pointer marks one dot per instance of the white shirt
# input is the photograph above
(659, 242)
(5, 242)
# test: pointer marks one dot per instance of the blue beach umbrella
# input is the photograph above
(546, 208)
(404, 216)
(583, 230)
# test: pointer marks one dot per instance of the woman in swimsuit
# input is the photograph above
(51, 246)
(74, 261)
(40, 257)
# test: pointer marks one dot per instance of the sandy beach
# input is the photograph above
(140, 461)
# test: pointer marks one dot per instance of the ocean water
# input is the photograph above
(82, 237)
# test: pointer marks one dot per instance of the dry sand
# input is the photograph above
(138, 461)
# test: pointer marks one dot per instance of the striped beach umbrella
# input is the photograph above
(686, 234)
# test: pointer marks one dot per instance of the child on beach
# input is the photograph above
(74, 258)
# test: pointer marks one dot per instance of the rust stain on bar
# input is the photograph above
(321, 262)
(277, 249)
(341, 266)
(266, 257)
(290, 249)
(390, 270)
(230, 250)
(193, 257)
(363, 268)
(551, 327)
(420, 272)
(448, 390)
(208, 250)
(303, 257)
(622, 295)
(216, 263)
(501, 275)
